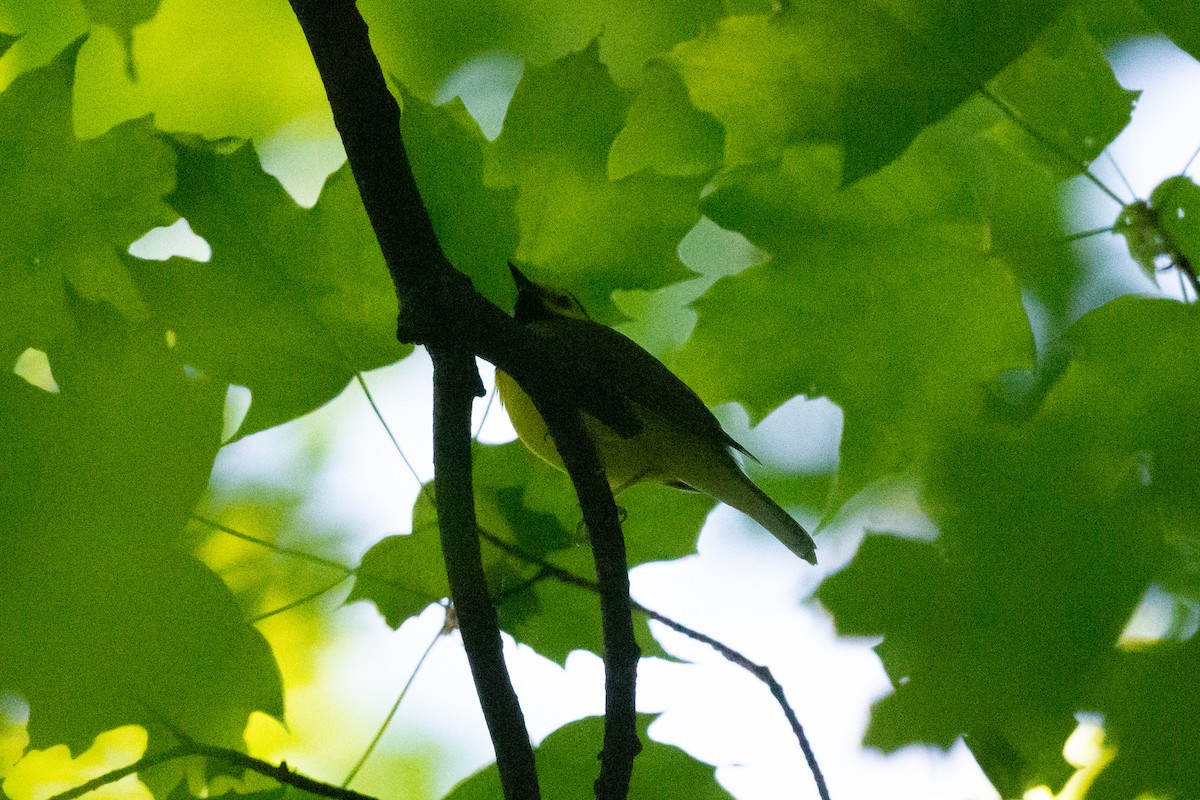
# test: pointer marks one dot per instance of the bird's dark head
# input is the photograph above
(536, 302)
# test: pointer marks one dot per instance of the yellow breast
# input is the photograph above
(626, 461)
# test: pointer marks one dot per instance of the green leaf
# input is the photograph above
(881, 295)
(424, 41)
(583, 232)
(1147, 703)
(73, 207)
(664, 132)
(1176, 204)
(108, 621)
(1034, 594)
(526, 503)
(476, 225)
(402, 575)
(1179, 21)
(6, 41)
(293, 302)
(1065, 91)
(567, 766)
(856, 73)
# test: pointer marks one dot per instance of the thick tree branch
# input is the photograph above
(368, 121)
(439, 308)
(432, 296)
(621, 651)
(455, 381)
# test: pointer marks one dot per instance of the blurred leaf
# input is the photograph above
(107, 620)
(1064, 90)
(881, 295)
(1179, 21)
(581, 231)
(72, 207)
(1034, 594)
(122, 16)
(424, 41)
(215, 68)
(567, 766)
(1176, 204)
(664, 132)
(868, 76)
(6, 41)
(1148, 701)
(475, 224)
(293, 302)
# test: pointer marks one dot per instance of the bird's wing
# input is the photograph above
(634, 373)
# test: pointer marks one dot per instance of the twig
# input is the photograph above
(447, 626)
(282, 773)
(287, 551)
(190, 747)
(308, 598)
(759, 671)
(122, 772)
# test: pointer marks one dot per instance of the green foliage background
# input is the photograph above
(899, 162)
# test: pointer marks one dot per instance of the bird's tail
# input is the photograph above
(754, 503)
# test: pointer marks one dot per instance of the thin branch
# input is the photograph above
(621, 651)
(282, 773)
(308, 598)
(358, 765)
(189, 747)
(486, 408)
(1188, 165)
(759, 671)
(362, 383)
(122, 772)
(287, 551)
(455, 380)
(1120, 172)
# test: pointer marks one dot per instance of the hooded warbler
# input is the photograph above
(681, 443)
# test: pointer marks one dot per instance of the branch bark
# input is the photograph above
(455, 381)
(440, 309)
(621, 651)
(368, 120)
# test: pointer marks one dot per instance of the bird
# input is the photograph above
(680, 443)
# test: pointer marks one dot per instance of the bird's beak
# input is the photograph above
(519, 278)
